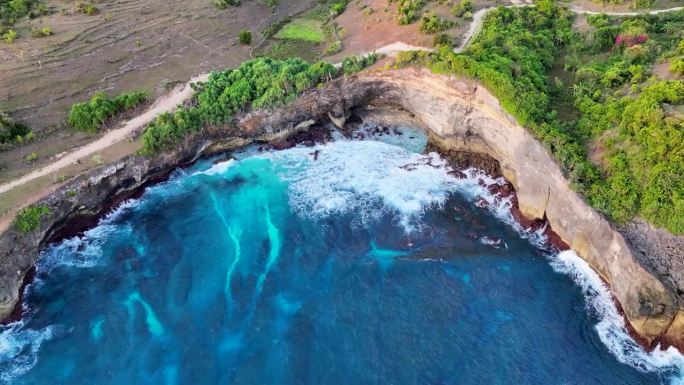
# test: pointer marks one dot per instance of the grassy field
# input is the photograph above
(302, 29)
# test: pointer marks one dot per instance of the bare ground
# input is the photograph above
(131, 44)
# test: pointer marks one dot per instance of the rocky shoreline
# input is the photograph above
(464, 122)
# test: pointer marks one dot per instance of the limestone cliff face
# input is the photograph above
(464, 116)
(458, 115)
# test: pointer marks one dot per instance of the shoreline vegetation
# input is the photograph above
(259, 83)
(512, 58)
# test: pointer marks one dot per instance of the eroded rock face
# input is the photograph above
(460, 117)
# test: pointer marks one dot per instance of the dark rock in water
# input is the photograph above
(458, 174)
(223, 158)
(494, 242)
(309, 138)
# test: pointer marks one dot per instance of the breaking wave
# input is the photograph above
(19, 349)
(611, 326)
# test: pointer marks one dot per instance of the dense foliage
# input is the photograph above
(624, 114)
(257, 83)
(29, 218)
(677, 62)
(89, 116)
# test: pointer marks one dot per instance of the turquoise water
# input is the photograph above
(368, 265)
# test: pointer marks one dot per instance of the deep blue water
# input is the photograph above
(280, 269)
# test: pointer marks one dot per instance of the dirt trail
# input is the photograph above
(166, 103)
(177, 96)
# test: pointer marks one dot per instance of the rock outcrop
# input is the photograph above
(458, 116)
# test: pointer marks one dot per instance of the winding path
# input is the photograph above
(180, 94)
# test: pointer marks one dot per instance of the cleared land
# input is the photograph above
(134, 44)
(302, 29)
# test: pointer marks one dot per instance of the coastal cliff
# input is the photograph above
(458, 115)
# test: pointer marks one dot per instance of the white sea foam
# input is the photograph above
(19, 349)
(119, 210)
(365, 177)
(611, 326)
(218, 168)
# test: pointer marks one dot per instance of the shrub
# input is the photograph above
(408, 10)
(275, 27)
(338, 7)
(442, 39)
(461, 8)
(43, 32)
(30, 218)
(90, 116)
(677, 65)
(333, 48)
(431, 23)
(9, 36)
(245, 37)
(11, 130)
(353, 64)
(87, 8)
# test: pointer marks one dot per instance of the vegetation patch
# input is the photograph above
(258, 83)
(463, 9)
(302, 29)
(42, 32)
(624, 111)
(87, 8)
(222, 4)
(12, 132)
(353, 64)
(12, 11)
(91, 115)
(245, 37)
(30, 218)
(431, 23)
(408, 10)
